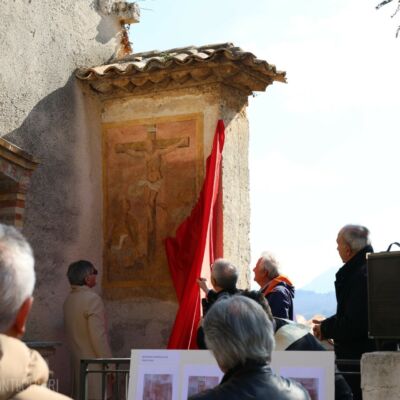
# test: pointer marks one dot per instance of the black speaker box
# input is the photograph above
(384, 295)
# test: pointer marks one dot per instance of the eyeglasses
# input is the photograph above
(94, 272)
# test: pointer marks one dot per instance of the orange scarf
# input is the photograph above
(274, 282)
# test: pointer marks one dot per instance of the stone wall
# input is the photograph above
(43, 111)
(146, 322)
(235, 178)
(380, 373)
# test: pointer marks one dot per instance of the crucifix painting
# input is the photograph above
(152, 177)
(153, 151)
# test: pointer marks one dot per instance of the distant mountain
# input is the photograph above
(318, 296)
(308, 303)
(323, 283)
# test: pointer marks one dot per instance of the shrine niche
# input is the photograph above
(153, 171)
(16, 168)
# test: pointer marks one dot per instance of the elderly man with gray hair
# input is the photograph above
(277, 288)
(224, 277)
(24, 373)
(349, 326)
(241, 337)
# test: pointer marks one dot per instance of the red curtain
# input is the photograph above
(194, 246)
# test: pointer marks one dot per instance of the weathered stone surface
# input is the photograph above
(380, 372)
(42, 112)
(212, 102)
(139, 324)
(125, 11)
(45, 112)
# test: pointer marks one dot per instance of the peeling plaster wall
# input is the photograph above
(43, 110)
(147, 322)
(42, 42)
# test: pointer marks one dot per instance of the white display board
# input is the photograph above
(178, 374)
(315, 370)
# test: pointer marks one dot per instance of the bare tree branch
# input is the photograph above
(384, 2)
(397, 9)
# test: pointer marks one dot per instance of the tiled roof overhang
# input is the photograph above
(182, 67)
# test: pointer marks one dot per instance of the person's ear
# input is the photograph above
(17, 329)
(349, 251)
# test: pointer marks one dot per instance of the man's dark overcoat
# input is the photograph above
(349, 326)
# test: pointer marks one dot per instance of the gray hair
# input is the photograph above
(17, 274)
(356, 236)
(270, 264)
(259, 298)
(237, 329)
(225, 274)
(78, 271)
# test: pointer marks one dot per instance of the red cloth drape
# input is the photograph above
(187, 251)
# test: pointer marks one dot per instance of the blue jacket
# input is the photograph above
(280, 299)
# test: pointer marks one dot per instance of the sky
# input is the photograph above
(324, 148)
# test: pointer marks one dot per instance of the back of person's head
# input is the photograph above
(259, 298)
(270, 264)
(17, 274)
(237, 329)
(356, 236)
(78, 271)
(225, 274)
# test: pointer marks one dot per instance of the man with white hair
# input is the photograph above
(241, 337)
(277, 288)
(349, 326)
(23, 372)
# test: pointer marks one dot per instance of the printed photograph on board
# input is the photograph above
(311, 378)
(198, 384)
(157, 387)
(311, 385)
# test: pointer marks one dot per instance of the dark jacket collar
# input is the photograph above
(249, 365)
(356, 262)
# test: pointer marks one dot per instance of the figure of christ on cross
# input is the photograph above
(153, 150)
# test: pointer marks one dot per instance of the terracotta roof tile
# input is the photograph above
(147, 63)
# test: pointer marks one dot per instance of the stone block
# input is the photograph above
(380, 373)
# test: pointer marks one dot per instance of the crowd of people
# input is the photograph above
(240, 327)
(347, 329)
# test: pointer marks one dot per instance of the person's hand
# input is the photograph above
(317, 329)
(202, 282)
